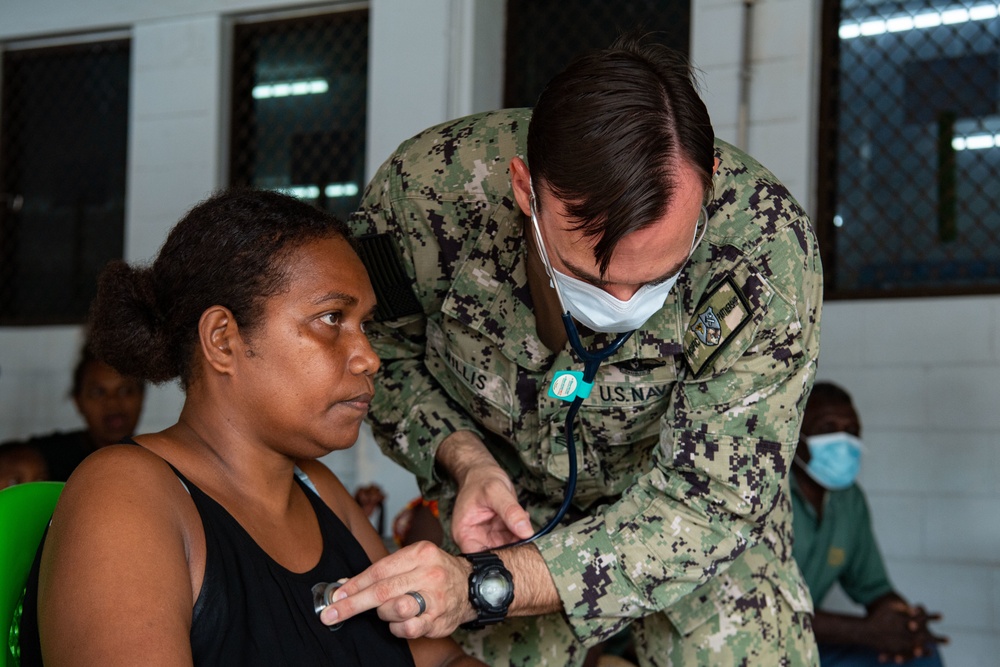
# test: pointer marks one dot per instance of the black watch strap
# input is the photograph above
(486, 565)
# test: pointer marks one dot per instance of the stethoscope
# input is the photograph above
(575, 386)
(572, 386)
(580, 387)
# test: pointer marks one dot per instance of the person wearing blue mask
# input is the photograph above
(834, 543)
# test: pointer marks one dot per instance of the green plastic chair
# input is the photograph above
(25, 510)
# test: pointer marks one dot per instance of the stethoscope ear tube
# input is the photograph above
(570, 480)
(591, 362)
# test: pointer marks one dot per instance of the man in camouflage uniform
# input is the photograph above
(680, 524)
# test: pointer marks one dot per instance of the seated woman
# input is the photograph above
(201, 544)
(110, 405)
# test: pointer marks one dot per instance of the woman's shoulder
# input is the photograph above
(122, 481)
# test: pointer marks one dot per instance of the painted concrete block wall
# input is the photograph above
(924, 377)
(922, 371)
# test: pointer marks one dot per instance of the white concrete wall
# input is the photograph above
(921, 371)
(923, 374)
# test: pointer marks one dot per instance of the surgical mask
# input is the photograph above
(834, 459)
(595, 308)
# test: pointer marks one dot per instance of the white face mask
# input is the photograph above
(595, 308)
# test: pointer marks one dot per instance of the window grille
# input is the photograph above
(909, 198)
(299, 107)
(543, 36)
(63, 140)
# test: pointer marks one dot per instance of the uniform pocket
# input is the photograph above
(459, 361)
(616, 429)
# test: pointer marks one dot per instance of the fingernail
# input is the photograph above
(330, 615)
(339, 595)
(524, 528)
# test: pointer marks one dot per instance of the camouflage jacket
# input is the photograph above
(682, 503)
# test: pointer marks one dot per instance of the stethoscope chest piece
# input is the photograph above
(323, 598)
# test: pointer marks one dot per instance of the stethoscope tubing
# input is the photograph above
(592, 361)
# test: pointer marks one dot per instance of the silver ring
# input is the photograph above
(420, 601)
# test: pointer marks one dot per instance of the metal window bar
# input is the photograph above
(543, 36)
(299, 107)
(909, 148)
(63, 142)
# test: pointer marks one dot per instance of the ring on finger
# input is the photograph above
(420, 601)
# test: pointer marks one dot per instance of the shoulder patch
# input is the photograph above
(393, 288)
(720, 315)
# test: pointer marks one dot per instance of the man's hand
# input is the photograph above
(899, 631)
(437, 576)
(487, 513)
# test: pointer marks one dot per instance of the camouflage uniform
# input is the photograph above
(681, 519)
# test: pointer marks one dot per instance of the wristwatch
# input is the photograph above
(491, 589)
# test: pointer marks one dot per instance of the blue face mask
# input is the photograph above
(834, 459)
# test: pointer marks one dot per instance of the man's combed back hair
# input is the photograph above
(609, 132)
(230, 251)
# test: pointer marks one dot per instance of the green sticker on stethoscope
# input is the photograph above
(567, 385)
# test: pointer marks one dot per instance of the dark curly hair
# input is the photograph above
(608, 131)
(828, 392)
(229, 250)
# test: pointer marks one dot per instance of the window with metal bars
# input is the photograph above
(299, 107)
(63, 140)
(544, 36)
(909, 198)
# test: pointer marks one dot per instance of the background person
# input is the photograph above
(681, 523)
(834, 543)
(110, 404)
(202, 544)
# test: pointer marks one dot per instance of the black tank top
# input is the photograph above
(253, 611)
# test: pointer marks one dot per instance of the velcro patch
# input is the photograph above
(718, 318)
(393, 288)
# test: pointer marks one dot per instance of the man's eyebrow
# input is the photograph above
(597, 281)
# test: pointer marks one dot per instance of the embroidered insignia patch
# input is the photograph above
(707, 328)
(723, 311)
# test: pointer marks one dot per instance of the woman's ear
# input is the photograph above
(219, 338)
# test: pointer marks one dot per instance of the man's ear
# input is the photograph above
(219, 338)
(520, 180)
(715, 166)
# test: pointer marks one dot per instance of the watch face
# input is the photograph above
(494, 589)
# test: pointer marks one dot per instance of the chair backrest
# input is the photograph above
(25, 510)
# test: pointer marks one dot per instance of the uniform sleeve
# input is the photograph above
(726, 441)
(865, 578)
(410, 415)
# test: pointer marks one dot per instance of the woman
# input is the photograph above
(200, 544)
(110, 405)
